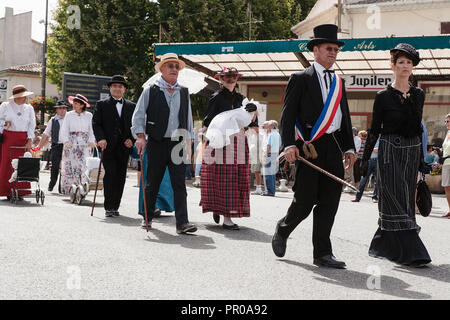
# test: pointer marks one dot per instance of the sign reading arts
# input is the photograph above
(363, 82)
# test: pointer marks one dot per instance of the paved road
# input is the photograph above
(58, 251)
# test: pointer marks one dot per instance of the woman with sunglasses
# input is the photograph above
(397, 115)
(225, 187)
(446, 164)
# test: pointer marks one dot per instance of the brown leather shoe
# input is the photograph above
(355, 200)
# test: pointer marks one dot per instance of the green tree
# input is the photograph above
(116, 37)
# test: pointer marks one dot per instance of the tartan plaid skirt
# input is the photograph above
(225, 179)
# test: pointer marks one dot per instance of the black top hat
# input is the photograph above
(410, 52)
(61, 104)
(325, 33)
(118, 79)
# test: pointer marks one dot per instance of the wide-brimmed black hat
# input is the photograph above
(118, 79)
(410, 51)
(325, 33)
(61, 104)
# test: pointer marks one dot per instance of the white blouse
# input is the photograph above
(74, 122)
(22, 117)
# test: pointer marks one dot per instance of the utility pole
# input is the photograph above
(250, 20)
(44, 69)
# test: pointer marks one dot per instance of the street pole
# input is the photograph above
(44, 69)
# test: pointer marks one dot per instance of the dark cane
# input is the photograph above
(143, 192)
(96, 185)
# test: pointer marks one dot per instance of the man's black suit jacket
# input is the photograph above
(114, 129)
(303, 102)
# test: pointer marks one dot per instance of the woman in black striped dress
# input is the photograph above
(397, 114)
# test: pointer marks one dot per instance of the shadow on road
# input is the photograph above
(122, 220)
(191, 241)
(245, 233)
(358, 280)
(435, 272)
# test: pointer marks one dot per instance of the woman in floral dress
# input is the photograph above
(78, 138)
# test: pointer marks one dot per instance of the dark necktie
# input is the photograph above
(329, 75)
(118, 101)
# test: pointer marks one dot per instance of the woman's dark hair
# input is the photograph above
(81, 102)
(397, 54)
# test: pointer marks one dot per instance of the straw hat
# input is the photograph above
(169, 57)
(80, 98)
(20, 91)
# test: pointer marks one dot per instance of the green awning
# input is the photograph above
(369, 44)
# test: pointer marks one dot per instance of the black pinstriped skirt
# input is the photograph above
(397, 238)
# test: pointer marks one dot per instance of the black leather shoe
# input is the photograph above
(216, 218)
(109, 213)
(329, 261)
(232, 227)
(186, 228)
(116, 213)
(156, 213)
(278, 244)
(50, 189)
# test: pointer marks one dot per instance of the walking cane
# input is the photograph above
(96, 185)
(332, 176)
(143, 192)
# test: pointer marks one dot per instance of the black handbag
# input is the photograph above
(423, 199)
(1, 137)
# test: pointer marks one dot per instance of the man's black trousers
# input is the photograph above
(313, 189)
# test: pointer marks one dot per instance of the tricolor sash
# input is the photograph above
(326, 116)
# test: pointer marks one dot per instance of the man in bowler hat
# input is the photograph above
(305, 100)
(111, 123)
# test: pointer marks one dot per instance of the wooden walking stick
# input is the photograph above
(143, 192)
(332, 176)
(96, 185)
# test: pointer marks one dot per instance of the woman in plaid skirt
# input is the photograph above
(225, 173)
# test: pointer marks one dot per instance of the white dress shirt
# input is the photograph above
(22, 117)
(74, 122)
(325, 88)
(48, 129)
(119, 106)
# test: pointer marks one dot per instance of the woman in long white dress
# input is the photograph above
(78, 138)
(446, 165)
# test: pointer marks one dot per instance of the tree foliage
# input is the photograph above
(116, 36)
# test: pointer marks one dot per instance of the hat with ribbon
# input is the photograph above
(61, 104)
(20, 91)
(80, 98)
(118, 79)
(409, 50)
(227, 71)
(169, 57)
(325, 33)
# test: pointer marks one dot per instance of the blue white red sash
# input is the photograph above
(327, 115)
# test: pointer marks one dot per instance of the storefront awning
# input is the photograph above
(259, 60)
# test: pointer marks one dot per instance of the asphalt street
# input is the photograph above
(58, 251)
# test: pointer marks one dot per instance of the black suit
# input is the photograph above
(115, 129)
(304, 102)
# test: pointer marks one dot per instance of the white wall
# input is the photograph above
(32, 83)
(16, 45)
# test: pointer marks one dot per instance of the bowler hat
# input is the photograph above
(325, 33)
(61, 104)
(228, 71)
(118, 79)
(409, 50)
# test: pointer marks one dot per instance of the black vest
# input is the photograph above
(55, 131)
(158, 112)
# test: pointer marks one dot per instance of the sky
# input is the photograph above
(38, 9)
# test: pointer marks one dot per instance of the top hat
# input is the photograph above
(20, 91)
(409, 50)
(227, 71)
(79, 97)
(325, 33)
(61, 104)
(118, 79)
(169, 57)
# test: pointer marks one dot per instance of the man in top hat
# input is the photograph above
(52, 132)
(111, 124)
(316, 125)
(162, 109)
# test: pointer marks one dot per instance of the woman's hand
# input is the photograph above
(28, 145)
(67, 145)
